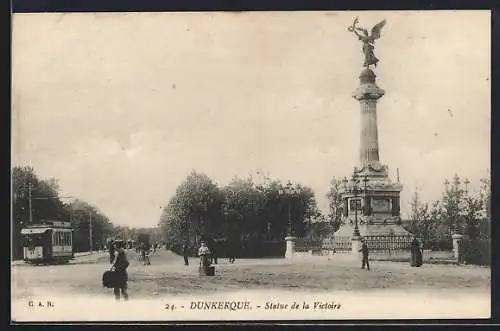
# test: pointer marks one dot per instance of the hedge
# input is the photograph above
(475, 251)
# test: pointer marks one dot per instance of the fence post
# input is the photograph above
(457, 240)
(355, 246)
(290, 247)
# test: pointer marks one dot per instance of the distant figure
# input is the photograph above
(364, 251)
(111, 251)
(185, 252)
(213, 251)
(416, 253)
(120, 265)
(204, 254)
(145, 254)
(231, 250)
(154, 248)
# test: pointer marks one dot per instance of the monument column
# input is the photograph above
(368, 94)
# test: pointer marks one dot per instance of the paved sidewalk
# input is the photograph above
(79, 257)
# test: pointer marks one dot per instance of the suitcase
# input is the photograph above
(206, 271)
(110, 279)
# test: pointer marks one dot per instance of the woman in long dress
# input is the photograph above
(416, 254)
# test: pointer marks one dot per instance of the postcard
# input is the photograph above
(250, 166)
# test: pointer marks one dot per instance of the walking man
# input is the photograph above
(364, 251)
(204, 254)
(120, 265)
(185, 252)
(231, 247)
(213, 251)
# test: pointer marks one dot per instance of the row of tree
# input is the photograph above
(47, 205)
(243, 212)
(458, 211)
(251, 213)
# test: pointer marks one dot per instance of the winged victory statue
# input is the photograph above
(368, 40)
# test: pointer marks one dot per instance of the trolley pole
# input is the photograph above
(90, 231)
(30, 205)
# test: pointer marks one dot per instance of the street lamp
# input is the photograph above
(466, 184)
(352, 186)
(90, 226)
(202, 208)
(290, 191)
(355, 191)
(366, 204)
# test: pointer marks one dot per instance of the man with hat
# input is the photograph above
(204, 254)
(364, 251)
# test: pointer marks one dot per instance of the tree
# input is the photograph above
(252, 209)
(486, 196)
(194, 210)
(84, 215)
(242, 212)
(452, 203)
(45, 203)
(335, 203)
(420, 220)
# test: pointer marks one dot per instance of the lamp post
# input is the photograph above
(466, 184)
(202, 209)
(90, 227)
(289, 190)
(355, 191)
(352, 187)
(366, 203)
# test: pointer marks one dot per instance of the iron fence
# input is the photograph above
(343, 244)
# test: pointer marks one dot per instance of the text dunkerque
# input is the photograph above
(220, 305)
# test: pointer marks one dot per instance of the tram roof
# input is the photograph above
(35, 230)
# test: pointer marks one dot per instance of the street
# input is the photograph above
(167, 277)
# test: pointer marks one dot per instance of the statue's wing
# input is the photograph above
(377, 29)
(365, 32)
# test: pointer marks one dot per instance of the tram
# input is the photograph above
(50, 243)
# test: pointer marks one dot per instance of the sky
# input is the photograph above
(121, 107)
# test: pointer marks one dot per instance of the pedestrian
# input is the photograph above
(111, 251)
(364, 251)
(185, 252)
(231, 250)
(213, 251)
(120, 265)
(145, 254)
(204, 254)
(416, 253)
